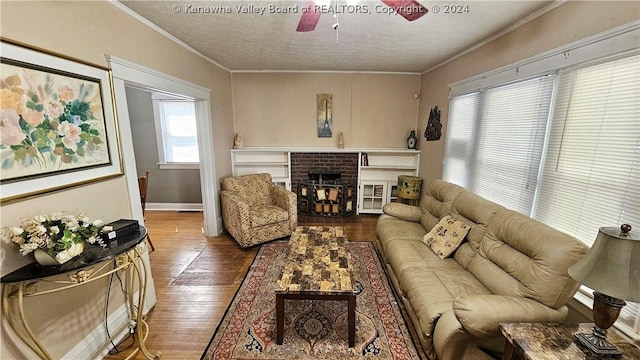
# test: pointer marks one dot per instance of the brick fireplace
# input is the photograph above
(305, 168)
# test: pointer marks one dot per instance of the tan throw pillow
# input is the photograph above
(446, 236)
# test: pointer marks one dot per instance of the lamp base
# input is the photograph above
(597, 343)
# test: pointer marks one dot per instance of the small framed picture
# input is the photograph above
(321, 194)
(333, 194)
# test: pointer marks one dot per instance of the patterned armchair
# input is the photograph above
(255, 211)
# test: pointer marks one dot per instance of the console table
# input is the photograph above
(555, 342)
(85, 268)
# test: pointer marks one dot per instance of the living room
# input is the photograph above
(379, 113)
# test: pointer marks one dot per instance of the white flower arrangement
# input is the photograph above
(57, 234)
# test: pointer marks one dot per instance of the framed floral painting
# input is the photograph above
(57, 123)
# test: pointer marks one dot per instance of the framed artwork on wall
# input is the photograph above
(57, 123)
(325, 115)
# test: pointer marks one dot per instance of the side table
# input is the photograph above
(555, 342)
(91, 265)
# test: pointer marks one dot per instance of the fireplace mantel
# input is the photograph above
(374, 170)
(325, 150)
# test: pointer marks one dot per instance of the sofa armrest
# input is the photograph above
(235, 213)
(286, 200)
(481, 315)
(403, 211)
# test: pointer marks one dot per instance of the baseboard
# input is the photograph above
(97, 342)
(174, 206)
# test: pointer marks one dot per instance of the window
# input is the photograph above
(176, 133)
(497, 137)
(591, 176)
(588, 154)
(459, 148)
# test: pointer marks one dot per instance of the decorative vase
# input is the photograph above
(43, 258)
(341, 140)
(412, 140)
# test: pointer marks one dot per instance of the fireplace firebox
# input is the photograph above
(324, 194)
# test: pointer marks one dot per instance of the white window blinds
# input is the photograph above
(495, 141)
(463, 110)
(591, 175)
(510, 142)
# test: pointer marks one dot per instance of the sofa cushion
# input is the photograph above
(404, 254)
(476, 211)
(445, 237)
(390, 228)
(519, 256)
(443, 288)
(436, 201)
(402, 211)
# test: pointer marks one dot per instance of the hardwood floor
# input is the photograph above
(196, 278)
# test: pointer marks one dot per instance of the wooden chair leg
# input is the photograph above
(150, 243)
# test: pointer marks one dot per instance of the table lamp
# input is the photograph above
(612, 269)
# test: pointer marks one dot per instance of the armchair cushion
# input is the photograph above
(267, 215)
(254, 189)
(255, 211)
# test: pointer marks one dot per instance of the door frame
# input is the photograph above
(128, 74)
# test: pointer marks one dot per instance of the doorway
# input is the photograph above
(129, 75)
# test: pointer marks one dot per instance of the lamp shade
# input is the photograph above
(612, 265)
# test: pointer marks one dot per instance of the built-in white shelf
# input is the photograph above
(378, 169)
(378, 173)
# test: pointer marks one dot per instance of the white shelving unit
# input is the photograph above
(379, 170)
(377, 177)
(275, 162)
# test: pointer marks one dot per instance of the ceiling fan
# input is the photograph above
(409, 9)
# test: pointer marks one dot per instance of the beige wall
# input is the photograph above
(570, 22)
(88, 31)
(279, 109)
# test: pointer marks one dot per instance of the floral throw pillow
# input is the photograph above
(446, 236)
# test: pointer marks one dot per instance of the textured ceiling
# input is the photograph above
(368, 38)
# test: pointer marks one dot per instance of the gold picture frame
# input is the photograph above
(58, 122)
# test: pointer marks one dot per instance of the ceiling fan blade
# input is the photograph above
(408, 9)
(310, 16)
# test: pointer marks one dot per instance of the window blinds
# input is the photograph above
(591, 175)
(510, 142)
(495, 141)
(463, 110)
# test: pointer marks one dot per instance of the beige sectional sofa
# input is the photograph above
(510, 268)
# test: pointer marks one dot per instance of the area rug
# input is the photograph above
(313, 329)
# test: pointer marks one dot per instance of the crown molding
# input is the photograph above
(116, 4)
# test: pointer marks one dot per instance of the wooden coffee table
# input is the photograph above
(317, 267)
